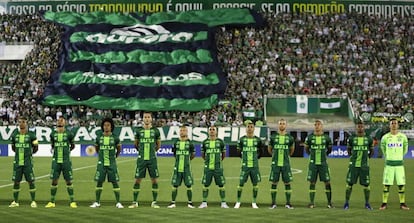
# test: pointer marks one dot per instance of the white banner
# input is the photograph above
(301, 104)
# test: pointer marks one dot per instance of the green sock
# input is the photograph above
(154, 191)
(288, 193)
(32, 189)
(401, 193)
(190, 194)
(255, 192)
(53, 190)
(328, 192)
(69, 188)
(222, 192)
(136, 191)
(117, 191)
(385, 193)
(312, 193)
(205, 194)
(273, 193)
(174, 194)
(239, 192)
(367, 191)
(16, 190)
(98, 191)
(348, 192)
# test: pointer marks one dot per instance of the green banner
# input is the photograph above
(379, 8)
(84, 135)
(284, 105)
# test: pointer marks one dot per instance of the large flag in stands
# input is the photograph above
(155, 62)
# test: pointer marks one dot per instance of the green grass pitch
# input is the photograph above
(84, 169)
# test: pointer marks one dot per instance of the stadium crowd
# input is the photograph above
(367, 58)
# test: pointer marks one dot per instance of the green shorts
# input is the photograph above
(276, 171)
(254, 174)
(65, 168)
(218, 175)
(143, 165)
(321, 170)
(19, 171)
(394, 172)
(179, 177)
(358, 172)
(110, 171)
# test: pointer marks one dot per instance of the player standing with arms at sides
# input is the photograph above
(281, 147)
(360, 149)
(394, 146)
(318, 145)
(183, 150)
(108, 147)
(213, 152)
(62, 144)
(250, 148)
(24, 144)
(147, 143)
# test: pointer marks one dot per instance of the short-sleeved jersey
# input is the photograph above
(249, 149)
(212, 150)
(183, 151)
(318, 146)
(281, 145)
(359, 147)
(147, 139)
(61, 143)
(107, 149)
(23, 144)
(394, 147)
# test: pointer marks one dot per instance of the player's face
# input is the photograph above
(212, 131)
(250, 129)
(360, 128)
(107, 127)
(394, 125)
(61, 122)
(147, 118)
(183, 132)
(318, 126)
(282, 125)
(22, 123)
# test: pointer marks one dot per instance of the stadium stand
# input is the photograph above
(368, 58)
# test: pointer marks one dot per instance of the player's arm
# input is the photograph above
(223, 150)
(307, 149)
(118, 149)
(97, 144)
(328, 145)
(72, 142)
(349, 146)
(239, 148)
(292, 146)
(174, 148)
(158, 140)
(405, 145)
(192, 151)
(260, 148)
(35, 144)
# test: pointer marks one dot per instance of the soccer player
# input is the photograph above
(394, 146)
(318, 145)
(184, 152)
(24, 144)
(360, 149)
(147, 143)
(62, 144)
(250, 148)
(281, 147)
(108, 147)
(213, 152)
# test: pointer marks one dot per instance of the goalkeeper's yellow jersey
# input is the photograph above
(394, 147)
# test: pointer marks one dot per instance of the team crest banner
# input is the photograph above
(155, 62)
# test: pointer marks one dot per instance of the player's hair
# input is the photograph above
(110, 122)
(23, 117)
(393, 119)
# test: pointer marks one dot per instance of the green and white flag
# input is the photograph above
(301, 104)
(329, 105)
